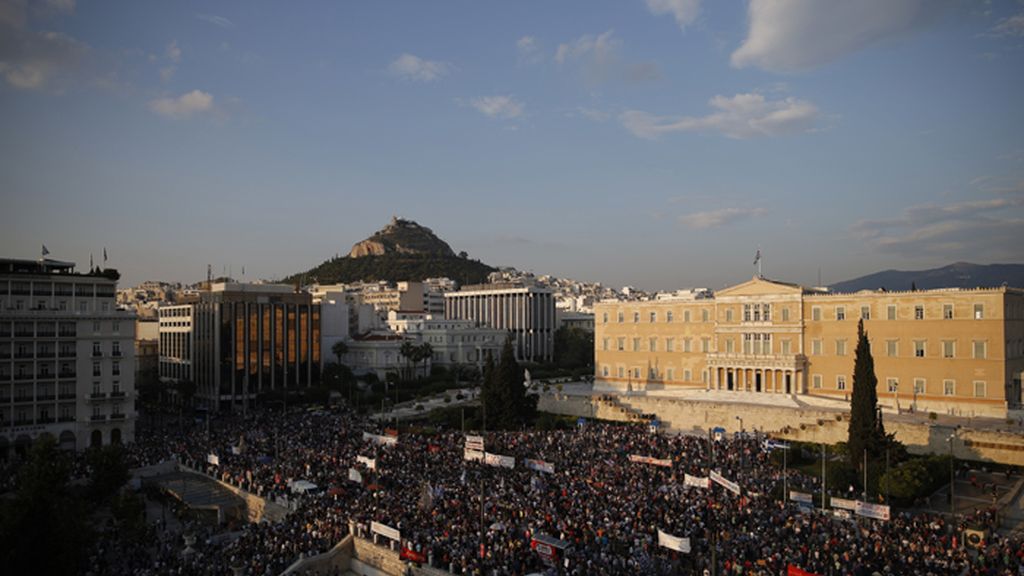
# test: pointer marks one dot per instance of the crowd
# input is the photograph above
(468, 517)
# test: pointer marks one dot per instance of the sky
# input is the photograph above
(652, 143)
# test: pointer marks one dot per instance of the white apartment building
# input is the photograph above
(67, 357)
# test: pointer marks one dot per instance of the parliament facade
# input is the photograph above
(956, 351)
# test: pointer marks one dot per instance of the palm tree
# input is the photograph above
(409, 351)
(426, 351)
(339, 349)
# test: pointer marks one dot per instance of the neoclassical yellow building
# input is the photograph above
(947, 351)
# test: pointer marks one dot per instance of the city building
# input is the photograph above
(454, 342)
(958, 351)
(67, 357)
(527, 311)
(241, 340)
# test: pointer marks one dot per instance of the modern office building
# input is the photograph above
(241, 340)
(67, 358)
(955, 351)
(528, 312)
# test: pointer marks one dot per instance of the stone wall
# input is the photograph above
(797, 424)
(379, 557)
(337, 560)
(257, 509)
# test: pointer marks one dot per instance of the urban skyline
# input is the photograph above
(560, 140)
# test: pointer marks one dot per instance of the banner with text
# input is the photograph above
(370, 463)
(801, 497)
(649, 460)
(540, 466)
(499, 460)
(355, 476)
(472, 455)
(843, 503)
(674, 542)
(384, 440)
(213, 459)
(794, 571)
(725, 483)
(696, 481)
(475, 443)
(868, 510)
(385, 531)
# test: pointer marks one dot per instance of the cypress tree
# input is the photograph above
(866, 431)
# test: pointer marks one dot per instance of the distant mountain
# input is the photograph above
(958, 275)
(402, 250)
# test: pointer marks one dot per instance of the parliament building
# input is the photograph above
(949, 351)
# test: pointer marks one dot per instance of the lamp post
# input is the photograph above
(952, 479)
(741, 423)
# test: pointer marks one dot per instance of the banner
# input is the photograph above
(475, 443)
(540, 466)
(499, 460)
(794, 571)
(377, 438)
(674, 542)
(473, 455)
(649, 460)
(385, 531)
(370, 463)
(355, 476)
(696, 481)
(843, 503)
(801, 497)
(236, 450)
(876, 511)
(727, 484)
(410, 554)
(213, 459)
(548, 548)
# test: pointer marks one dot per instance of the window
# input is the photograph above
(704, 315)
(816, 314)
(979, 311)
(670, 344)
(636, 373)
(840, 347)
(686, 315)
(653, 344)
(654, 317)
(729, 344)
(652, 373)
(948, 348)
(115, 327)
(766, 312)
(893, 384)
(746, 312)
(604, 318)
(96, 326)
(816, 347)
(671, 374)
(604, 371)
(687, 375)
(919, 386)
(622, 344)
(115, 348)
(919, 348)
(840, 313)
(620, 372)
(604, 343)
(636, 317)
(949, 387)
(785, 347)
(865, 312)
(919, 312)
(979, 388)
(83, 306)
(785, 314)
(636, 344)
(668, 316)
(890, 312)
(96, 349)
(620, 317)
(705, 344)
(96, 369)
(686, 345)
(816, 381)
(979, 349)
(947, 311)
(728, 315)
(841, 382)
(892, 348)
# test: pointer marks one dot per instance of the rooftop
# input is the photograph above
(47, 266)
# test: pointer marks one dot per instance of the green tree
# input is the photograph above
(423, 353)
(410, 352)
(108, 472)
(574, 348)
(866, 432)
(505, 400)
(339, 349)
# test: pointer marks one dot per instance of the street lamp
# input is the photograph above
(741, 423)
(952, 481)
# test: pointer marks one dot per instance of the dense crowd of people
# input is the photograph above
(468, 517)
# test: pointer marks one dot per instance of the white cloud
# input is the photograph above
(955, 230)
(720, 217)
(684, 11)
(593, 114)
(30, 60)
(1010, 26)
(183, 106)
(741, 116)
(172, 52)
(216, 20)
(498, 106)
(526, 45)
(794, 35)
(413, 67)
(599, 59)
(600, 48)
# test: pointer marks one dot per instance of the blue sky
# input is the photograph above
(655, 143)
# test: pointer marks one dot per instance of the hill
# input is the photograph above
(402, 250)
(958, 275)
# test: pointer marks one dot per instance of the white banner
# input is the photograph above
(673, 542)
(213, 459)
(385, 440)
(475, 443)
(236, 450)
(385, 531)
(727, 484)
(649, 460)
(540, 466)
(355, 476)
(472, 455)
(868, 510)
(370, 463)
(843, 503)
(499, 460)
(696, 481)
(800, 497)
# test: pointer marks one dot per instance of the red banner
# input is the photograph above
(409, 554)
(794, 571)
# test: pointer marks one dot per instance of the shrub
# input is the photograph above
(932, 415)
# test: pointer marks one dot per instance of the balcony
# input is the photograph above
(46, 420)
(23, 399)
(45, 397)
(46, 354)
(66, 419)
(23, 355)
(117, 416)
(97, 395)
(68, 354)
(23, 334)
(117, 394)
(45, 334)
(96, 353)
(66, 375)
(22, 422)
(66, 396)
(116, 353)
(23, 376)
(98, 417)
(66, 334)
